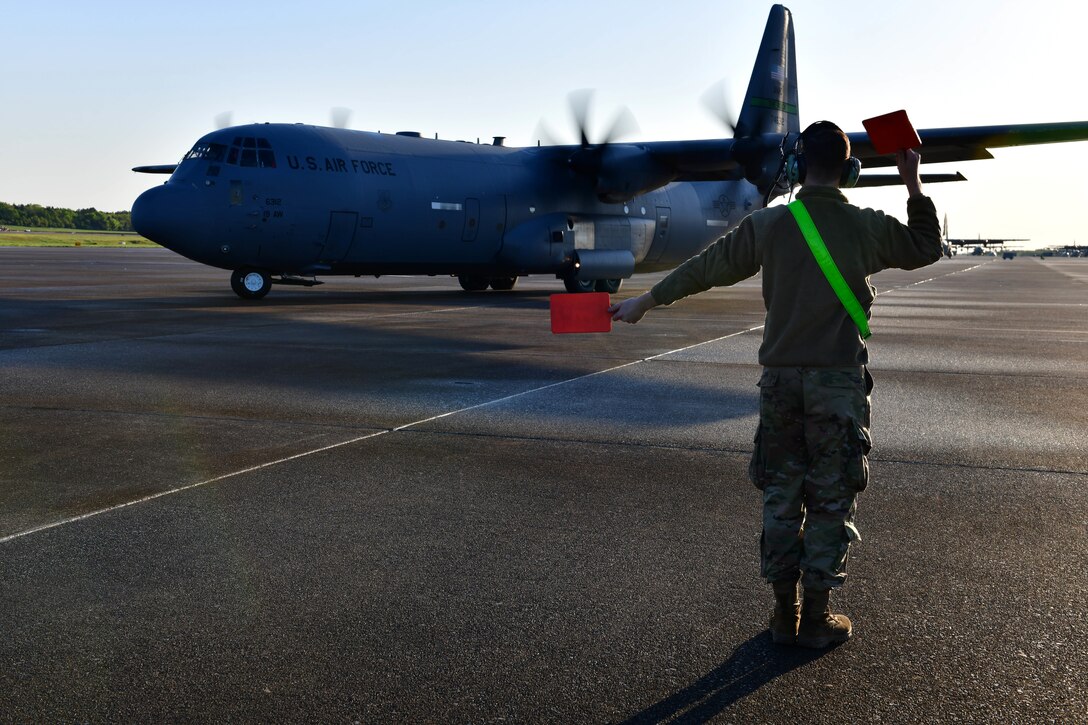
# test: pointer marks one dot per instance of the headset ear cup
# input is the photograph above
(851, 172)
(795, 168)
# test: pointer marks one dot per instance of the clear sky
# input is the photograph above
(89, 90)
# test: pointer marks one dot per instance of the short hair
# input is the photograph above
(826, 147)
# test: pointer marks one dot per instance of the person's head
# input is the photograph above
(826, 148)
(827, 160)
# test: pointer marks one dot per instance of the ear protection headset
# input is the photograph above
(796, 166)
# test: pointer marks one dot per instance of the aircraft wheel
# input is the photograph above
(573, 284)
(503, 284)
(473, 284)
(250, 284)
(611, 286)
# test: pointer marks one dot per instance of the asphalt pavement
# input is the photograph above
(387, 500)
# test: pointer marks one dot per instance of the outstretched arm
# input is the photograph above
(632, 310)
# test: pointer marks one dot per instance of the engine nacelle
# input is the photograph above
(539, 245)
(627, 171)
(603, 264)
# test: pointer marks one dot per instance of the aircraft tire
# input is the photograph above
(573, 284)
(473, 284)
(611, 286)
(503, 284)
(250, 284)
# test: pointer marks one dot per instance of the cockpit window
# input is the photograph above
(251, 152)
(264, 154)
(210, 151)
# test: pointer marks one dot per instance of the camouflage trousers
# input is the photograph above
(810, 461)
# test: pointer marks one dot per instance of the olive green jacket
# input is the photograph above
(806, 325)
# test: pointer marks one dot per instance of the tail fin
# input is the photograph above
(770, 105)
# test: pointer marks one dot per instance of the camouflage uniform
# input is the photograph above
(810, 462)
(813, 438)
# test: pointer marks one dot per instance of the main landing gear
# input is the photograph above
(471, 283)
(611, 286)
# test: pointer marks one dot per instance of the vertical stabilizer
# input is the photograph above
(770, 105)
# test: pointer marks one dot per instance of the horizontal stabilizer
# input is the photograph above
(894, 179)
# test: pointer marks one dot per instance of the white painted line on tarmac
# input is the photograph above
(700, 344)
(160, 494)
(931, 279)
(572, 380)
(359, 439)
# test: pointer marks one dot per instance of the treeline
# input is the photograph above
(33, 215)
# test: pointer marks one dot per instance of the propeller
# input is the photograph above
(543, 135)
(716, 100)
(760, 154)
(339, 117)
(581, 103)
(589, 159)
(617, 171)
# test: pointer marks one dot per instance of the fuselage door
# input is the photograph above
(341, 235)
(236, 192)
(242, 217)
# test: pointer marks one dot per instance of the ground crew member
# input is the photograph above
(811, 446)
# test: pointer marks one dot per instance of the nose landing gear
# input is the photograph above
(250, 284)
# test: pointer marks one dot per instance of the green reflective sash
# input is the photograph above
(819, 250)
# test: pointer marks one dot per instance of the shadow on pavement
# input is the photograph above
(751, 666)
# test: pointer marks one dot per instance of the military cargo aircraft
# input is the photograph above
(952, 246)
(286, 203)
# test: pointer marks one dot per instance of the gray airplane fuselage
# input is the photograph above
(304, 200)
(286, 203)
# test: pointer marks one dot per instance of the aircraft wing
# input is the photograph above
(971, 143)
(980, 242)
(717, 159)
(702, 160)
(705, 160)
(622, 171)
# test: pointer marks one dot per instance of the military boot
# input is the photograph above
(819, 627)
(787, 611)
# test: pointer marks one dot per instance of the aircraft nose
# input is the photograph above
(182, 219)
(154, 216)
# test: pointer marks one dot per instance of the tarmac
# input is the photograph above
(387, 500)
